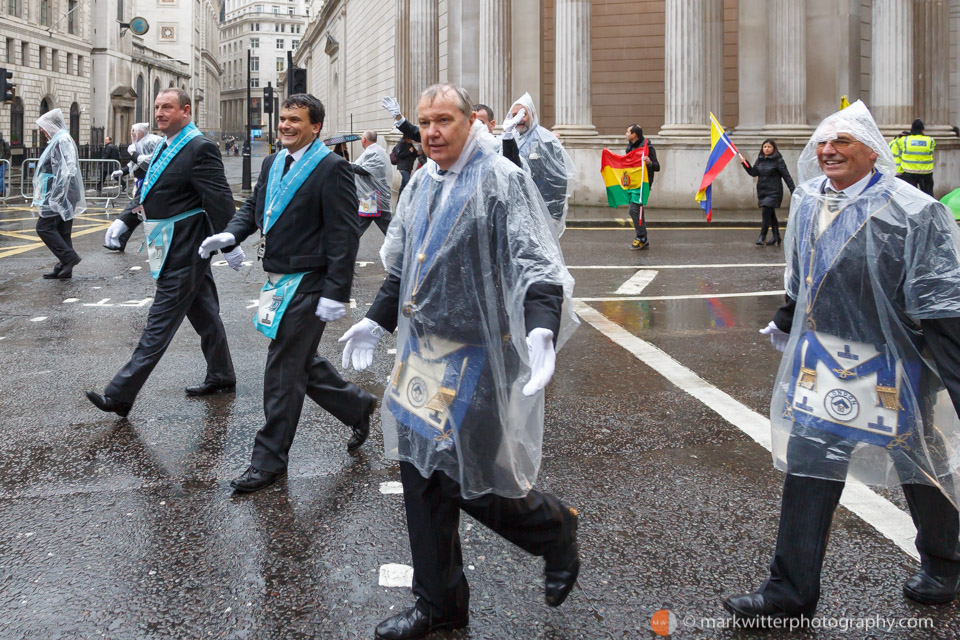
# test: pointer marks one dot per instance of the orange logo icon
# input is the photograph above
(663, 622)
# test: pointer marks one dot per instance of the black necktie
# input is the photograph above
(286, 164)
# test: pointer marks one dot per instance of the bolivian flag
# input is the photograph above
(625, 176)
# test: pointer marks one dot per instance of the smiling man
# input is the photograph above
(305, 207)
(870, 336)
(184, 195)
(476, 287)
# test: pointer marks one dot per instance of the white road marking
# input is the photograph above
(637, 283)
(698, 296)
(69, 300)
(873, 509)
(38, 319)
(136, 303)
(135, 268)
(361, 263)
(392, 352)
(353, 303)
(3, 337)
(252, 304)
(102, 303)
(390, 488)
(682, 266)
(396, 575)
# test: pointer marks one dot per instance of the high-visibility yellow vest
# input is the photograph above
(916, 154)
(896, 148)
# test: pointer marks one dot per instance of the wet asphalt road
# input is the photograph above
(128, 528)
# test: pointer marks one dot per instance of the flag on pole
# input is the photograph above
(626, 176)
(722, 151)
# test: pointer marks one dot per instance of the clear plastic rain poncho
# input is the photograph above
(146, 145)
(376, 186)
(57, 182)
(454, 401)
(858, 393)
(551, 167)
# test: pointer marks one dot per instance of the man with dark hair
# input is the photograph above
(305, 207)
(635, 140)
(485, 116)
(184, 195)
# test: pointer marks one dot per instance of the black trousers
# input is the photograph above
(806, 513)
(922, 181)
(638, 213)
(293, 371)
(769, 216)
(54, 231)
(383, 221)
(404, 179)
(187, 292)
(433, 506)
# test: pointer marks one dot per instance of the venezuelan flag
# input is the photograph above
(722, 152)
(625, 176)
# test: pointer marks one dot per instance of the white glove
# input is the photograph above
(116, 229)
(510, 124)
(215, 242)
(390, 104)
(116, 175)
(132, 149)
(543, 359)
(234, 258)
(330, 310)
(361, 340)
(777, 338)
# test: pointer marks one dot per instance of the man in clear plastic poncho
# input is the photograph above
(551, 167)
(870, 378)
(58, 193)
(373, 177)
(476, 287)
(141, 150)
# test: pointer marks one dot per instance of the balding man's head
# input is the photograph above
(368, 138)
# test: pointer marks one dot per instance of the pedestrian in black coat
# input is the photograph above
(770, 169)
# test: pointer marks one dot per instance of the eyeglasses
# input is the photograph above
(837, 143)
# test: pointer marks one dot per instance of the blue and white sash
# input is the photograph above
(281, 188)
(275, 297)
(169, 152)
(159, 239)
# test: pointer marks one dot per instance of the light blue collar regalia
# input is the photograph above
(432, 387)
(163, 154)
(281, 188)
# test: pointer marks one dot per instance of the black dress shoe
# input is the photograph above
(108, 404)
(362, 429)
(563, 562)
(772, 240)
(761, 239)
(413, 623)
(66, 271)
(253, 479)
(926, 589)
(752, 606)
(53, 275)
(207, 388)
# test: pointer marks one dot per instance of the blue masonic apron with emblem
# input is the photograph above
(159, 232)
(433, 382)
(856, 390)
(279, 289)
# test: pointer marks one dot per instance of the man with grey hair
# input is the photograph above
(479, 294)
(870, 335)
(141, 150)
(373, 177)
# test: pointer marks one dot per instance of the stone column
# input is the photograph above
(424, 46)
(787, 68)
(931, 89)
(495, 56)
(573, 95)
(714, 49)
(685, 112)
(891, 58)
(401, 56)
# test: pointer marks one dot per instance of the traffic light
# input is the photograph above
(298, 80)
(6, 87)
(268, 99)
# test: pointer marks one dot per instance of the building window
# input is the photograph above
(279, 43)
(42, 60)
(140, 98)
(156, 88)
(72, 17)
(283, 28)
(16, 123)
(75, 122)
(11, 51)
(69, 68)
(254, 63)
(25, 54)
(55, 60)
(45, 13)
(15, 8)
(289, 11)
(254, 43)
(276, 10)
(294, 44)
(259, 8)
(80, 66)
(120, 14)
(280, 63)
(254, 82)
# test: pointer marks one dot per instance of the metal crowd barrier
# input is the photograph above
(97, 183)
(5, 181)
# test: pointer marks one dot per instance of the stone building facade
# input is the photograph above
(765, 68)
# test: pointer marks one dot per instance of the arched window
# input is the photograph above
(45, 106)
(156, 88)
(140, 98)
(75, 122)
(16, 123)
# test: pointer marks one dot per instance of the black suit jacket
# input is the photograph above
(194, 178)
(110, 152)
(318, 232)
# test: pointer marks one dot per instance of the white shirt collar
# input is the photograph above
(299, 152)
(853, 190)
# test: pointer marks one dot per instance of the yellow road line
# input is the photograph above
(19, 236)
(12, 251)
